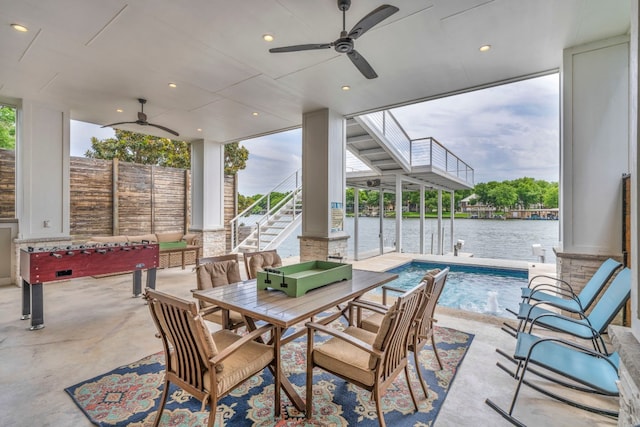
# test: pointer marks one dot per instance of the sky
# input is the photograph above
(503, 133)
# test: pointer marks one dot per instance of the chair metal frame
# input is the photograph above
(422, 332)
(188, 358)
(390, 360)
(589, 371)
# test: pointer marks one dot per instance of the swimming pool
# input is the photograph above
(479, 289)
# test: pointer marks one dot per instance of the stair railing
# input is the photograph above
(265, 208)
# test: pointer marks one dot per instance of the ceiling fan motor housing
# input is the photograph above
(344, 45)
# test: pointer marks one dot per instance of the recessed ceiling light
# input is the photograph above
(173, 85)
(485, 48)
(20, 28)
(199, 130)
(119, 110)
(255, 113)
(346, 87)
(268, 37)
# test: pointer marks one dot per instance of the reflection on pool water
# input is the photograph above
(479, 289)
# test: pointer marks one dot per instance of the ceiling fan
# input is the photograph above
(142, 120)
(344, 44)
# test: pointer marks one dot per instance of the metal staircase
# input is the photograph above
(270, 219)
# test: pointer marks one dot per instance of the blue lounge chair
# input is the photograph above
(588, 370)
(589, 327)
(563, 295)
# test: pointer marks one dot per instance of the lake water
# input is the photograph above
(484, 238)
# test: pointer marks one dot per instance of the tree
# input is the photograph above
(235, 158)
(143, 149)
(151, 150)
(550, 197)
(503, 195)
(7, 127)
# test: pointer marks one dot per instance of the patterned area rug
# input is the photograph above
(129, 395)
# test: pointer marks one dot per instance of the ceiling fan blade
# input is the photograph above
(119, 123)
(299, 47)
(173, 132)
(362, 64)
(373, 18)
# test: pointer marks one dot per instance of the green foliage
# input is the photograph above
(7, 127)
(143, 149)
(235, 158)
(151, 150)
(522, 192)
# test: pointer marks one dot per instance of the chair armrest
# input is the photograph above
(311, 326)
(369, 305)
(238, 344)
(208, 310)
(389, 288)
(555, 279)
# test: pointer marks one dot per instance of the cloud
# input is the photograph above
(272, 158)
(504, 132)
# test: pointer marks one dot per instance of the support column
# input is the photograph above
(422, 219)
(323, 186)
(207, 195)
(398, 213)
(440, 236)
(356, 223)
(381, 218)
(452, 209)
(42, 177)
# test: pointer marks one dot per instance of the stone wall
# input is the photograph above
(626, 344)
(577, 269)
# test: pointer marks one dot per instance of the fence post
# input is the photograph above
(115, 220)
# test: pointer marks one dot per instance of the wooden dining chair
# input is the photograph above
(217, 271)
(422, 329)
(369, 360)
(258, 261)
(207, 366)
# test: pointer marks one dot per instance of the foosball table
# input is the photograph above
(51, 264)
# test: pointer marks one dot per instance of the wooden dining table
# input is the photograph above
(284, 312)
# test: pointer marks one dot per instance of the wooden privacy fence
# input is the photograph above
(109, 197)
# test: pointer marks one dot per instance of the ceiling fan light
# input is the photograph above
(20, 28)
(268, 37)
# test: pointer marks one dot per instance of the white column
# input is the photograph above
(381, 218)
(595, 152)
(356, 224)
(440, 236)
(42, 172)
(422, 219)
(398, 213)
(452, 210)
(207, 195)
(323, 185)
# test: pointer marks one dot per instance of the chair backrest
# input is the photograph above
(187, 343)
(394, 331)
(612, 300)
(217, 271)
(258, 261)
(600, 278)
(211, 259)
(435, 284)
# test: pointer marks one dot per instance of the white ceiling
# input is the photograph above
(94, 56)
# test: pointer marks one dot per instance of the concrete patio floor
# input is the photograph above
(94, 325)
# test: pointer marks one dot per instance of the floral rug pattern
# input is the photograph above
(129, 395)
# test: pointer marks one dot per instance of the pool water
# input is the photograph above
(484, 290)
